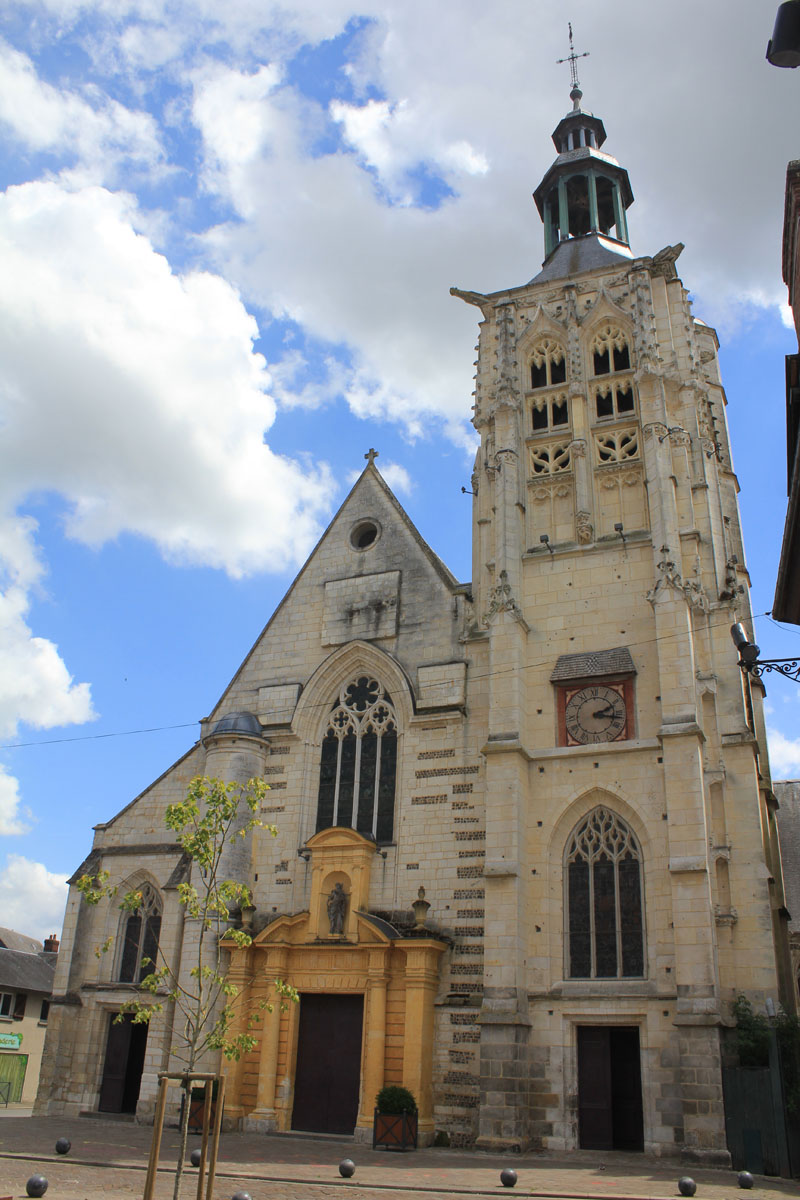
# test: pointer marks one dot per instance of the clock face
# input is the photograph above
(595, 714)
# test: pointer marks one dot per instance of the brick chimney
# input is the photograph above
(51, 944)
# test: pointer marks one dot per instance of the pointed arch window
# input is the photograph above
(611, 355)
(140, 936)
(605, 919)
(359, 761)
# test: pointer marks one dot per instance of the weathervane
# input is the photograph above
(572, 59)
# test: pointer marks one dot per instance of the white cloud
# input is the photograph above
(93, 128)
(32, 899)
(11, 820)
(784, 755)
(238, 126)
(154, 401)
(35, 685)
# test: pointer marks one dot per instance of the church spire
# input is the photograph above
(586, 192)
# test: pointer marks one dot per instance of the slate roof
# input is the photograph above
(11, 940)
(592, 663)
(575, 255)
(21, 972)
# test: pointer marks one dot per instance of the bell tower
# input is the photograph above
(607, 567)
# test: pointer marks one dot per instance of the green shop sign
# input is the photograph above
(10, 1041)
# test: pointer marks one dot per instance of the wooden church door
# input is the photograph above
(328, 1074)
(124, 1063)
(609, 1088)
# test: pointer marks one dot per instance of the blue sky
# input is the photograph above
(228, 235)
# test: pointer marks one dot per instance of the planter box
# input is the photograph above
(394, 1131)
(197, 1108)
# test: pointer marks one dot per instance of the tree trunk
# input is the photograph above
(187, 1100)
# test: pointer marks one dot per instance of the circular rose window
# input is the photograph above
(364, 535)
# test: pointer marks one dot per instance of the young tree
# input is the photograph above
(206, 1005)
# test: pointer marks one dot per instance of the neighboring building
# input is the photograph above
(786, 606)
(563, 753)
(26, 984)
(788, 794)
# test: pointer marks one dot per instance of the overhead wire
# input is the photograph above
(473, 678)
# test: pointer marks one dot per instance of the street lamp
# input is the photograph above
(755, 666)
(783, 49)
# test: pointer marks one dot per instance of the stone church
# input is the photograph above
(527, 852)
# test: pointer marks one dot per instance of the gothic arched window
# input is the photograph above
(359, 761)
(611, 355)
(140, 934)
(605, 927)
(548, 364)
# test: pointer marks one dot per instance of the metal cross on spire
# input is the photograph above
(572, 59)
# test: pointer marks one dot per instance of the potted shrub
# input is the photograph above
(395, 1122)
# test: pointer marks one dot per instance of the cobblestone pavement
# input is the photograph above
(108, 1158)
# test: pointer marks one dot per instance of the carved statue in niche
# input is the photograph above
(337, 907)
(583, 528)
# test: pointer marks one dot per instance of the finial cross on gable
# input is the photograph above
(370, 456)
(572, 59)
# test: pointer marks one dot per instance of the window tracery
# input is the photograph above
(616, 446)
(548, 364)
(140, 937)
(611, 355)
(605, 925)
(358, 763)
(551, 459)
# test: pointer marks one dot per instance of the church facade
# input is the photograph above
(526, 852)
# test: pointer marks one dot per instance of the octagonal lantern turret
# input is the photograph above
(585, 192)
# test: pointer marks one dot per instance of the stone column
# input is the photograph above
(263, 1118)
(374, 1039)
(239, 974)
(422, 981)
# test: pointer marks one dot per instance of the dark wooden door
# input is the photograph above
(124, 1062)
(328, 1074)
(595, 1130)
(609, 1088)
(626, 1088)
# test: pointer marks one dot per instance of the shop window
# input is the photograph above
(358, 762)
(605, 921)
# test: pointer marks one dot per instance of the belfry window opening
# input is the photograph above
(359, 761)
(610, 355)
(548, 364)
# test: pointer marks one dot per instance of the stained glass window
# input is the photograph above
(359, 761)
(140, 938)
(605, 928)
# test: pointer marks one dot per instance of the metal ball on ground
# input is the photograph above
(194, 1158)
(63, 1146)
(508, 1177)
(746, 1180)
(687, 1186)
(241, 1196)
(36, 1186)
(347, 1168)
